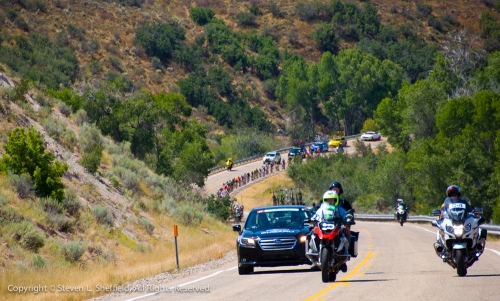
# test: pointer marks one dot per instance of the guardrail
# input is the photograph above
(492, 229)
(253, 158)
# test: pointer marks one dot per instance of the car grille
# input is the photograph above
(277, 243)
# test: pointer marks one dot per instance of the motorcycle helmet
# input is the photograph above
(453, 189)
(400, 201)
(337, 184)
(328, 195)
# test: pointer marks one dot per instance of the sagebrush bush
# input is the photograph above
(73, 251)
(38, 261)
(71, 202)
(23, 184)
(187, 214)
(51, 205)
(26, 235)
(147, 225)
(102, 215)
(64, 108)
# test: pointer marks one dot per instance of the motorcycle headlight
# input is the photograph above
(449, 229)
(247, 241)
(467, 227)
(459, 230)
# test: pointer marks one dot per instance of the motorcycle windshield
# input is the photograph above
(457, 212)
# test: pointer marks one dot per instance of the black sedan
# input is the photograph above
(273, 236)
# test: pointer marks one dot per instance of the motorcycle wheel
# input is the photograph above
(402, 221)
(459, 257)
(325, 264)
(332, 276)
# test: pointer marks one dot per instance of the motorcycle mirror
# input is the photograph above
(481, 221)
(237, 228)
(436, 212)
(478, 210)
(350, 211)
(434, 223)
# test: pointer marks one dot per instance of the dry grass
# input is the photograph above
(196, 245)
(260, 194)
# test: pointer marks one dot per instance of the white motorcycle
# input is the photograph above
(459, 240)
(401, 214)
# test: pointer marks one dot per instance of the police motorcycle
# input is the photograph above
(459, 240)
(401, 214)
(334, 250)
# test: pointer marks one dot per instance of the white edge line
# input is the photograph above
(492, 250)
(183, 284)
(142, 296)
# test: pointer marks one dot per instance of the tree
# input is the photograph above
(26, 154)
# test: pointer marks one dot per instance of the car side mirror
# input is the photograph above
(237, 228)
(436, 212)
(478, 210)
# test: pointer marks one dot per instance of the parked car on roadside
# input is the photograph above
(371, 136)
(322, 146)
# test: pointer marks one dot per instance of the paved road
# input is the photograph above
(214, 182)
(394, 263)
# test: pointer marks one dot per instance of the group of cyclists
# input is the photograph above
(244, 178)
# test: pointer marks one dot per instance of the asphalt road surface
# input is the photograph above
(393, 263)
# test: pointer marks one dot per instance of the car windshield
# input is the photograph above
(336, 139)
(294, 150)
(270, 155)
(276, 218)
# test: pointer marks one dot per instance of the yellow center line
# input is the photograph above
(348, 276)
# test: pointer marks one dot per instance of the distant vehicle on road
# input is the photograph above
(371, 136)
(271, 157)
(297, 151)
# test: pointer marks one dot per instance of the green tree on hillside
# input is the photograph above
(25, 154)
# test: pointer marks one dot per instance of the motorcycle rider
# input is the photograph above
(453, 195)
(337, 187)
(330, 210)
(400, 202)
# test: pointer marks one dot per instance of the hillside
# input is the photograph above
(103, 34)
(140, 98)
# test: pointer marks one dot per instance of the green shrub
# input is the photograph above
(102, 215)
(188, 215)
(73, 251)
(71, 202)
(26, 235)
(23, 184)
(245, 19)
(9, 215)
(201, 15)
(91, 160)
(160, 40)
(52, 205)
(38, 262)
(147, 225)
(275, 9)
(69, 97)
(219, 208)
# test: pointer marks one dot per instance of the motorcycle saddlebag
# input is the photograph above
(353, 244)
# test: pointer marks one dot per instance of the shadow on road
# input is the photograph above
(484, 275)
(308, 270)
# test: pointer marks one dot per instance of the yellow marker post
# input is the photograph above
(176, 233)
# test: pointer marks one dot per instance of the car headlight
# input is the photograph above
(247, 241)
(459, 230)
(303, 238)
